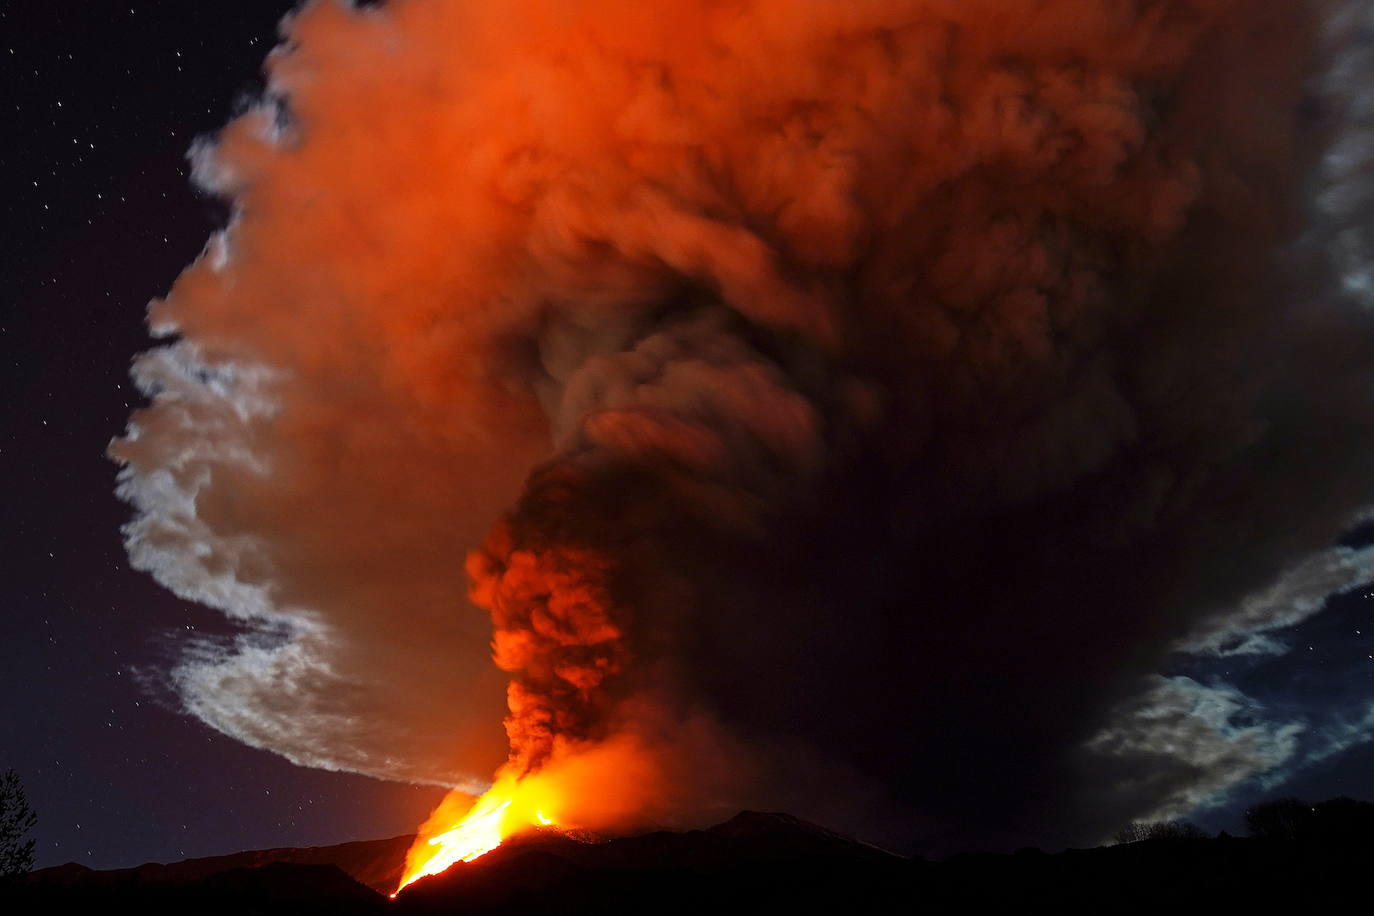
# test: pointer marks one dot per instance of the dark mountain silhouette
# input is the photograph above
(376, 864)
(754, 862)
(272, 888)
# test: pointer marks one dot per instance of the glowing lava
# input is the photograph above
(507, 808)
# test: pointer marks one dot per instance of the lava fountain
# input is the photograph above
(561, 636)
(620, 784)
(509, 807)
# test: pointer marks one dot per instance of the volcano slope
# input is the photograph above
(753, 862)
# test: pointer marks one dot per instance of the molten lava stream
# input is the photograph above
(503, 811)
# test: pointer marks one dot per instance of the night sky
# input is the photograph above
(101, 102)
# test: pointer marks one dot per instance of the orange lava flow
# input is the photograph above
(509, 807)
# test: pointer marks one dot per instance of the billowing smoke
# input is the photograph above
(843, 406)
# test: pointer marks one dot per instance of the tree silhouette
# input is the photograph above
(1285, 819)
(1334, 822)
(16, 820)
(1344, 822)
(1139, 832)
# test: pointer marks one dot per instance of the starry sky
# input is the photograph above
(102, 101)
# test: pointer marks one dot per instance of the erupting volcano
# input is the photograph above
(501, 812)
(572, 761)
(844, 408)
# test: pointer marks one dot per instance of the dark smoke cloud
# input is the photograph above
(886, 388)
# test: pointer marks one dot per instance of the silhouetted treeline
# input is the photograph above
(1334, 822)
(1159, 830)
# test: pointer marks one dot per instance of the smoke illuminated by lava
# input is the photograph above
(865, 396)
(615, 784)
(478, 831)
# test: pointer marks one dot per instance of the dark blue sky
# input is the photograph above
(1326, 679)
(102, 101)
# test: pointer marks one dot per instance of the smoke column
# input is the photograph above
(841, 407)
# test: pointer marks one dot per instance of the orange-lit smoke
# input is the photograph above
(615, 784)
(855, 378)
(556, 631)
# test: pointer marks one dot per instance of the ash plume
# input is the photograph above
(845, 407)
